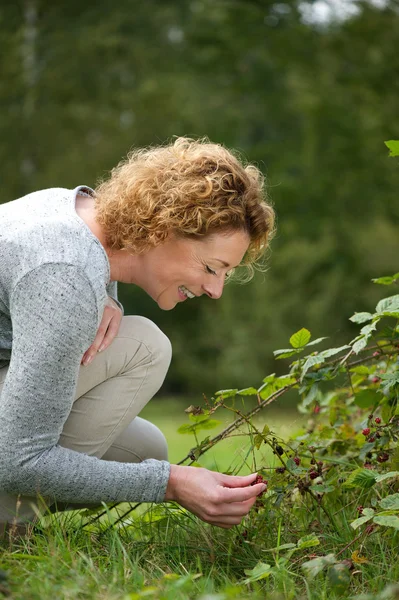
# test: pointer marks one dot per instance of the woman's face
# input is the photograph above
(182, 269)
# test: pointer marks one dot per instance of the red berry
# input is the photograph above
(313, 474)
(259, 479)
(375, 380)
(297, 460)
(360, 509)
(366, 431)
(368, 465)
(381, 458)
(376, 354)
(316, 409)
(371, 439)
(377, 420)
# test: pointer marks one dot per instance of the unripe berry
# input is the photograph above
(313, 461)
(360, 510)
(371, 439)
(376, 354)
(279, 450)
(366, 431)
(368, 465)
(377, 420)
(320, 463)
(297, 460)
(311, 449)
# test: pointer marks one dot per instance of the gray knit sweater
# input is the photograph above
(54, 282)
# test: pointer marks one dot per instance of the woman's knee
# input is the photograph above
(144, 330)
(140, 441)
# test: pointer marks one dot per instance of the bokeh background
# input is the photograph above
(308, 91)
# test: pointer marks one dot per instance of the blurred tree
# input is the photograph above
(309, 102)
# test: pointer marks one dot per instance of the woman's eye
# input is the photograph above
(209, 270)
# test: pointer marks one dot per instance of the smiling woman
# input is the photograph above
(74, 372)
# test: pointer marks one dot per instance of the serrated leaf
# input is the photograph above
(308, 541)
(333, 351)
(227, 393)
(311, 361)
(368, 329)
(300, 338)
(390, 502)
(316, 565)
(363, 478)
(387, 476)
(316, 341)
(293, 467)
(286, 353)
(367, 398)
(390, 304)
(361, 342)
(322, 488)
(198, 426)
(387, 521)
(393, 146)
(386, 280)
(368, 514)
(260, 571)
(251, 391)
(361, 317)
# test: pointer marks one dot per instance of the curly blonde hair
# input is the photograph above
(189, 187)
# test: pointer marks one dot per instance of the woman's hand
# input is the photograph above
(221, 500)
(108, 329)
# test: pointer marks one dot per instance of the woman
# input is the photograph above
(75, 372)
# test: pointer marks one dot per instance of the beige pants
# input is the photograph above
(111, 391)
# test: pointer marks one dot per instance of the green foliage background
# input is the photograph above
(310, 103)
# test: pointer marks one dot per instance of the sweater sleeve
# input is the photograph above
(54, 318)
(112, 291)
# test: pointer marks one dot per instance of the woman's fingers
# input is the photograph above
(244, 493)
(106, 332)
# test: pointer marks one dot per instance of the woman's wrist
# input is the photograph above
(177, 473)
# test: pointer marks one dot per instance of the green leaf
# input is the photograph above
(368, 329)
(316, 565)
(386, 280)
(360, 343)
(393, 146)
(367, 398)
(293, 467)
(387, 476)
(390, 304)
(361, 317)
(387, 521)
(227, 393)
(322, 488)
(308, 541)
(368, 513)
(311, 361)
(363, 478)
(333, 351)
(260, 571)
(198, 426)
(251, 391)
(265, 430)
(258, 441)
(286, 353)
(317, 341)
(339, 578)
(300, 338)
(390, 502)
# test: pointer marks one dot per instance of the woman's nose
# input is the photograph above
(215, 288)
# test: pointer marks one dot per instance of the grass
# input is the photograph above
(162, 552)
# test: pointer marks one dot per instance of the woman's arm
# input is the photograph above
(55, 318)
